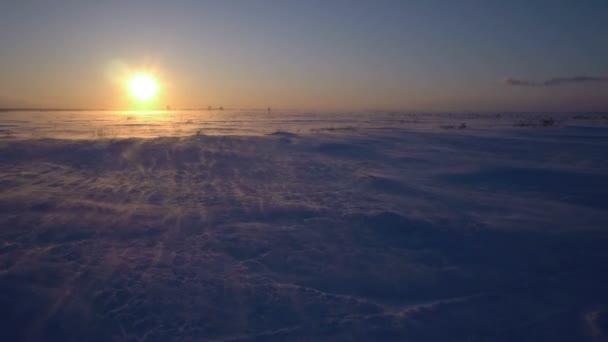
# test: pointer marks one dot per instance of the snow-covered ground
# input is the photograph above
(238, 226)
(153, 124)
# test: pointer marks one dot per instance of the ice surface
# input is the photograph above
(238, 226)
(152, 124)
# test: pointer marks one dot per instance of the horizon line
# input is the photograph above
(44, 109)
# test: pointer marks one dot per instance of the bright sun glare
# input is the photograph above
(143, 87)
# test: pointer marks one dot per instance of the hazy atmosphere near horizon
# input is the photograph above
(304, 170)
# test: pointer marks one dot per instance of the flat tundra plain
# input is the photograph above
(255, 226)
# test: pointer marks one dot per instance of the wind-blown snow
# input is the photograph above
(255, 226)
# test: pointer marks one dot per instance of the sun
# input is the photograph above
(143, 87)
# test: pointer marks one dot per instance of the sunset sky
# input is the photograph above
(317, 55)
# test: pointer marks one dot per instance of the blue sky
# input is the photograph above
(409, 55)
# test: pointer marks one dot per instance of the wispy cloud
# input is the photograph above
(510, 81)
